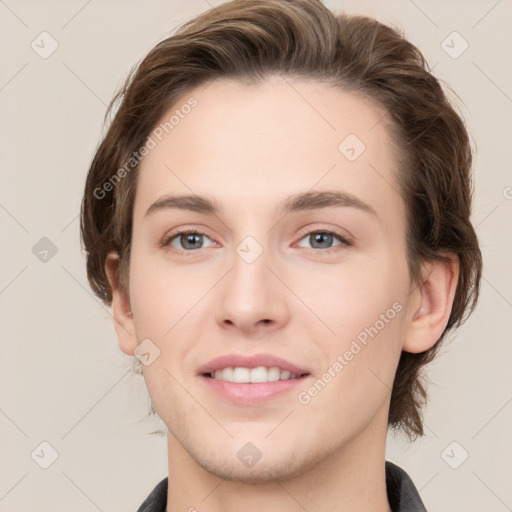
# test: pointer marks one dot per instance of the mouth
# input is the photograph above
(258, 375)
(247, 380)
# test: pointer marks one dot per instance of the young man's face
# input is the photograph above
(259, 280)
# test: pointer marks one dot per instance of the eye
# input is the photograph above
(190, 240)
(186, 240)
(324, 239)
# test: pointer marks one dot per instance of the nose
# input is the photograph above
(252, 300)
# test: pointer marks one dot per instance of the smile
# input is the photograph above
(259, 374)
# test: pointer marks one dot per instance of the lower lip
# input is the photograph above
(247, 393)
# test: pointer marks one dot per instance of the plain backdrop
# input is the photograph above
(63, 380)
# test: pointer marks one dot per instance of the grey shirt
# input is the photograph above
(402, 494)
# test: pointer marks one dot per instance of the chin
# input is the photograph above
(264, 471)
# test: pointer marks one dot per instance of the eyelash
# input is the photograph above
(343, 240)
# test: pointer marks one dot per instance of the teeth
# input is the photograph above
(255, 375)
(228, 374)
(259, 374)
(241, 375)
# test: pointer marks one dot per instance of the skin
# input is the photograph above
(250, 147)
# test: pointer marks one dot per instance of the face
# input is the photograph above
(300, 271)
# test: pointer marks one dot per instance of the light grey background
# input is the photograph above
(62, 378)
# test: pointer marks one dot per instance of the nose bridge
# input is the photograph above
(251, 293)
(249, 279)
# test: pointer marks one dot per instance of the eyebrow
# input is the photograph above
(295, 203)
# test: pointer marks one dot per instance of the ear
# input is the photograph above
(123, 318)
(432, 304)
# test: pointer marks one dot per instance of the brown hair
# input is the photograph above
(249, 40)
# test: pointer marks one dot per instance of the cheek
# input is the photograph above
(354, 298)
(367, 313)
(366, 308)
(161, 294)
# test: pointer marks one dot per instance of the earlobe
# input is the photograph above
(121, 309)
(433, 302)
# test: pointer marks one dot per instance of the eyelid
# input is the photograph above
(344, 235)
(344, 240)
(169, 238)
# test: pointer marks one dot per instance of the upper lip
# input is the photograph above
(252, 361)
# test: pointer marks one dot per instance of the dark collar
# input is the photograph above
(402, 494)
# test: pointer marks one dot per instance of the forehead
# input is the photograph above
(262, 142)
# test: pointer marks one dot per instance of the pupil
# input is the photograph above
(192, 239)
(322, 238)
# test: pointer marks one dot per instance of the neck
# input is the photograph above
(352, 478)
